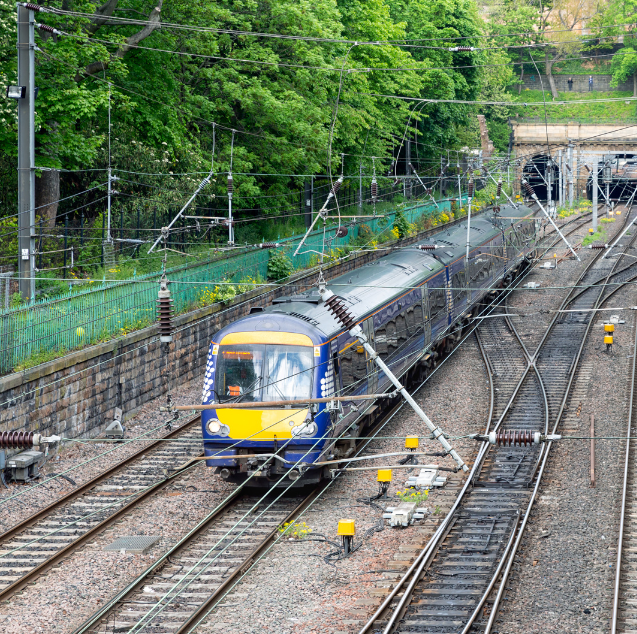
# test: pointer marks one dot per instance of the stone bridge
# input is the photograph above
(590, 141)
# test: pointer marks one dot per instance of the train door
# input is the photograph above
(372, 368)
(426, 314)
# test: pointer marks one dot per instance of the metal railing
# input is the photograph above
(565, 119)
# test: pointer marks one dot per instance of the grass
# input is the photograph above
(599, 235)
(613, 111)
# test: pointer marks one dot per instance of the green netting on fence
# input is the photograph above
(45, 329)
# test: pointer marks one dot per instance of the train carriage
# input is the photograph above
(412, 304)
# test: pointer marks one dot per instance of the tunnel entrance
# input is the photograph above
(623, 178)
(537, 172)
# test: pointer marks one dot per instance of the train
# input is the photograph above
(413, 305)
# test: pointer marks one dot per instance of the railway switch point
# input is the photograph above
(404, 515)
(426, 479)
(346, 531)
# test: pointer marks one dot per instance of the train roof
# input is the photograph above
(378, 282)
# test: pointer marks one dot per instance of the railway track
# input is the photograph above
(42, 540)
(55, 532)
(457, 582)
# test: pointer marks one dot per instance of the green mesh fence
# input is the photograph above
(48, 328)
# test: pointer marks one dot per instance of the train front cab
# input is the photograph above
(251, 366)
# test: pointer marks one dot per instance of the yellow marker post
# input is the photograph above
(384, 475)
(412, 442)
(591, 230)
(609, 328)
(346, 528)
(346, 531)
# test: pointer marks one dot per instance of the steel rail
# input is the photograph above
(22, 582)
(29, 521)
(221, 591)
(416, 569)
(547, 448)
(622, 514)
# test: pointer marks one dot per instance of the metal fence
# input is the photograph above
(553, 118)
(48, 328)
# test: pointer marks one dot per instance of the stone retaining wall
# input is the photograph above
(580, 83)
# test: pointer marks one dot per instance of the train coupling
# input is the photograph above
(508, 438)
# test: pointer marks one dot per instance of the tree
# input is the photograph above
(623, 66)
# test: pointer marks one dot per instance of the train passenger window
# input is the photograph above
(413, 318)
(353, 366)
(437, 303)
(458, 285)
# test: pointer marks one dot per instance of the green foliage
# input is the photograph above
(402, 226)
(413, 495)
(613, 111)
(279, 266)
(600, 234)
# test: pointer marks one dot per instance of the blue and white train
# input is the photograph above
(412, 304)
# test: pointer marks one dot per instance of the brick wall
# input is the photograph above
(580, 83)
(76, 395)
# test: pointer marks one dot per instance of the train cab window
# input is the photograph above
(257, 372)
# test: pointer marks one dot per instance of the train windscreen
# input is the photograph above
(260, 372)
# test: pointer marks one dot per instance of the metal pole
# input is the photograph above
(561, 177)
(360, 186)
(530, 191)
(570, 174)
(308, 204)
(108, 194)
(408, 170)
(594, 177)
(549, 183)
(26, 154)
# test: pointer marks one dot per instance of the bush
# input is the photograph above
(402, 227)
(279, 266)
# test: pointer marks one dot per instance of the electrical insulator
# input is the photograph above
(32, 7)
(16, 439)
(164, 307)
(461, 48)
(470, 188)
(230, 184)
(48, 29)
(528, 188)
(337, 185)
(427, 247)
(336, 306)
(499, 189)
(374, 189)
(390, 171)
(269, 245)
(588, 169)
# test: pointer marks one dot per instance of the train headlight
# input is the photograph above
(213, 426)
(308, 428)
